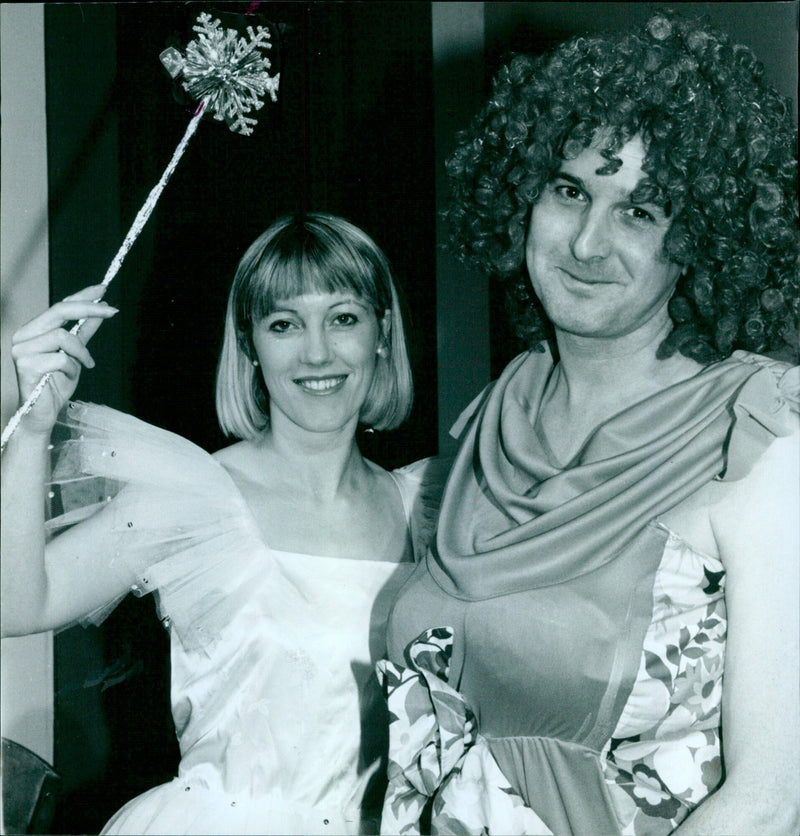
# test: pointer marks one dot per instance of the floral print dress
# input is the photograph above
(526, 702)
(661, 760)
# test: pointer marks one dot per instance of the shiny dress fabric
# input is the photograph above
(555, 664)
(281, 724)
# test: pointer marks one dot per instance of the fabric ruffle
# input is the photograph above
(430, 729)
(179, 523)
(421, 486)
(435, 751)
(182, 808)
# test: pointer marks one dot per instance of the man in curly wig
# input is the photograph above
(620, 526)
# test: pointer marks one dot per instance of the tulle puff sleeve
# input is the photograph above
(177, 521)
(422, 485)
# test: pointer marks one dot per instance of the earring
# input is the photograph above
(381, 351)
(254, 362)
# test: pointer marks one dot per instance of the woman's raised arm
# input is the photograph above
(40, 593)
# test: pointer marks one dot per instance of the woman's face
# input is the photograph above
(317, 353)
(596, 258)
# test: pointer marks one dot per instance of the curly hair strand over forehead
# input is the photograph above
(720, 158)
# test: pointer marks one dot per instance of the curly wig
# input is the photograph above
(721, 155)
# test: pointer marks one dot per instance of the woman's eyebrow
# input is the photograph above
(351, 300)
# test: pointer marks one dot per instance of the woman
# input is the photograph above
(620, 526)
(273, 560)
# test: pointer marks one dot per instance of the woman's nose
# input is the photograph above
(590, 240)
(316, 346)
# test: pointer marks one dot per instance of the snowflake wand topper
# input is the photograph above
(228, 75)
(225, 71)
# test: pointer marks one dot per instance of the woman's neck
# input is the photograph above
(321, 465)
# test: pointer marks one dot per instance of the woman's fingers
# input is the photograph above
(58, 340)
(60, 314)
(52, 364)
(57, 353)
(93, 293)
(91, 324)
(46, 347)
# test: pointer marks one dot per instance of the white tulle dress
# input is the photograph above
(276, 707)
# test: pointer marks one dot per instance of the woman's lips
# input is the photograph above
(321, 385)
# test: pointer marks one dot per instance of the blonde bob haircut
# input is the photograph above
(298, 254)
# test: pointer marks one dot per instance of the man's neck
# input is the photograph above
(596, 379)
(620, 369)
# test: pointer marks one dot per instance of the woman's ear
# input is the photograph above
(245, 344)
(385, 323)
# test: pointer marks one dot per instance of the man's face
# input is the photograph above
(596, 258)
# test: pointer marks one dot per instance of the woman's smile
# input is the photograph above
(317, 353)
(321, 385)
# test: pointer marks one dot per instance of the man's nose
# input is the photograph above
(591, 238)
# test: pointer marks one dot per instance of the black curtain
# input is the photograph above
(352, 134)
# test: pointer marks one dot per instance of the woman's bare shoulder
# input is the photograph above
(238, 455)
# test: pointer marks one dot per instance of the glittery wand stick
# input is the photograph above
(229, 76)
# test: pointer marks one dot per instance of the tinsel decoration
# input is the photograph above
(227, 74)
(225, 71)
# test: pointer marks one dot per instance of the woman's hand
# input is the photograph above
(44, 345)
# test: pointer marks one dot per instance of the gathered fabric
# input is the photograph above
(585, 637)
(508, 497)
(277, 709)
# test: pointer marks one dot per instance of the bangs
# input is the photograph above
(307, 258)
(298, 255)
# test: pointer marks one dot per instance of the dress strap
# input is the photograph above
(421, 485)
(762, 412)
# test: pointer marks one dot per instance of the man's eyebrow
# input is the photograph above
(562, 175)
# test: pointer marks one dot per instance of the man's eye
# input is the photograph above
(569, 192)
(639, 214)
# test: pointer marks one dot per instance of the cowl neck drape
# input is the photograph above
(513, 519)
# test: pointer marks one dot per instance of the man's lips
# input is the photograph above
(583, 278)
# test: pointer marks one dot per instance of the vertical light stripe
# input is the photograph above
(26, 671)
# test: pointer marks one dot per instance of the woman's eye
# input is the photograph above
(345, 319)
(280, 326)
